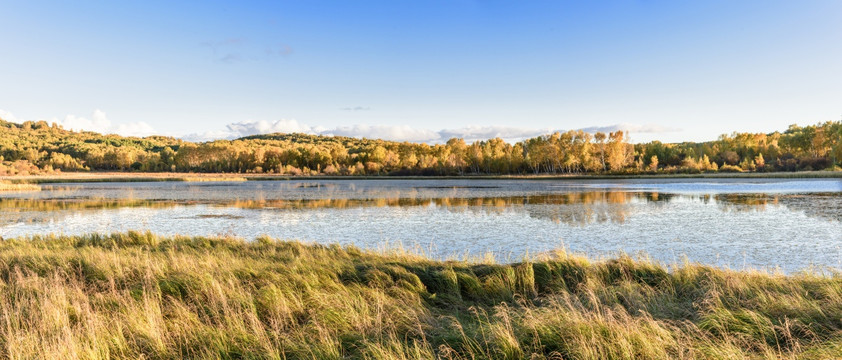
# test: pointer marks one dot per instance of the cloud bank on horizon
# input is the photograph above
(406, 132)
(98, 122)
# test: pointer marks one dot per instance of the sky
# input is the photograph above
(422, 71)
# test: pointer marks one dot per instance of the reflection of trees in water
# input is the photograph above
(745, 202)
(572, 208)
(18, 205)
(38, 210)
(575, 208)
(819, 205)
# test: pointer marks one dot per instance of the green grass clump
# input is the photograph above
(137, 295)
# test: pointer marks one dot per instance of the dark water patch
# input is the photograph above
(306, 185)
(457, 187)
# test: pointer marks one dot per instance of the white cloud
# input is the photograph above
(209, 136)
(8, 116)
(139, 128)
(403, 132)
(265, 127)
(632, 128)
(235, 50)
(98, 122)
(389, 132)
(247, 128)
(508, 133)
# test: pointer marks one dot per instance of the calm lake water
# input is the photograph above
(738, 223)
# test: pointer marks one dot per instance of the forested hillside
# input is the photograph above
(39, 147)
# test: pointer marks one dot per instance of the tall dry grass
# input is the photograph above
(137, 295)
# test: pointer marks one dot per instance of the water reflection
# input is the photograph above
(724, 222)
(13, 211)
(577, 208)
(826, 206)
(746, 202)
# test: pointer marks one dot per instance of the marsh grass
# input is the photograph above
(9, 186)
(211, 178)
(136, 295)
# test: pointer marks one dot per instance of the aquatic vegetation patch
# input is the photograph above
(9, 186)
(212, 178)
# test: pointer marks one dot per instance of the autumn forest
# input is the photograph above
(40, 147)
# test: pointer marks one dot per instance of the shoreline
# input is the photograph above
(152, 177)
(682, 261)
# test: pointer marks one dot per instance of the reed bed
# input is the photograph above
(8, 186)
(212, 178)
(137, 295)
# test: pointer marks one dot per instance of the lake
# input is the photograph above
(781, 224)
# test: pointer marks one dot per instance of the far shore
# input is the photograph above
(143, 177)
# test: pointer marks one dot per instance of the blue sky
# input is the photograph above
(423, 70)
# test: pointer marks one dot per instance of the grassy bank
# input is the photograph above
(136, 295)
(148, 177)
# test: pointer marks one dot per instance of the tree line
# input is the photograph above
(40, 147)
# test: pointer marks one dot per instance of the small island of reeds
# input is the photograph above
(9, 186)
(211, 178)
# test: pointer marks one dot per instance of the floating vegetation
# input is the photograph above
(8, 186)
(212, 178)
(219, 216)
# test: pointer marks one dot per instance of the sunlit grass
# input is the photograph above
(212, 178)
(8, 186)
(138, 295)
